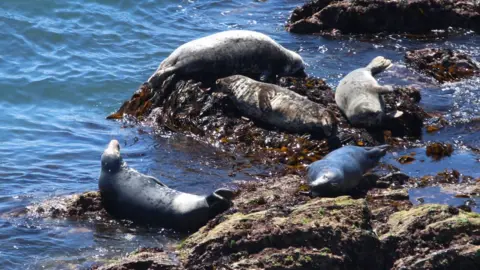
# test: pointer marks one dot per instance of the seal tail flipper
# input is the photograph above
(159, 76)
(378, 65)
(264, 97)
(377, 151)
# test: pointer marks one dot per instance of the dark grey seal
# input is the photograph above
(128, 194)
(341, 170)
(228, 53)
(278, 106)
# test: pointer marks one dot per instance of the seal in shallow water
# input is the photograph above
(228, 53)
(358, 95)
(131, 195)
(278, 106)
(341, 170)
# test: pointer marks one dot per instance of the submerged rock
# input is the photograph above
(442, 64)
(390, 16)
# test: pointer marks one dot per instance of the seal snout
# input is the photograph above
(113, 146)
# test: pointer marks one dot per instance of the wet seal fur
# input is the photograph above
(342, 170)
(278, 107)
(228, 53)
(128, 194)
(358, 95)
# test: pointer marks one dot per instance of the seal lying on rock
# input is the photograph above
(341, 170)
(358, 95)
(129, 194)
(228, 53)
(278, 107)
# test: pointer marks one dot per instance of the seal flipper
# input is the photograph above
(378, 65)
(155, 180)
(377, 151)
(159, 77)
(264, 97)
(225, 193)
(219, 201)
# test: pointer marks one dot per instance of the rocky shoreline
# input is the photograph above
(274, 224)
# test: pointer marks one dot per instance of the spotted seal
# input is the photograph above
(341, 170)
(358, 95)
(228, 53)
(128, 194)
(277, 106)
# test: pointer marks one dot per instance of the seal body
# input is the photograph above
(228, 53)
(342, 170)
(358, 95)
(128, 194)
(278, 106)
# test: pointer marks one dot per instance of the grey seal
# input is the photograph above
(278, 106)
(228, 53)
(128, 194)
(342, 170)
(358, 95)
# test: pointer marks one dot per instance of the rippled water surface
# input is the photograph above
(65, 65)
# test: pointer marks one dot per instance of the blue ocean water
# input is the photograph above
(65, 65)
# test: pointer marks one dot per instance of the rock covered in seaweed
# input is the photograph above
(442, 64)
(192, 109)
(390, 16)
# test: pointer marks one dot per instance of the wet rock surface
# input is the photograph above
(143, 258)
(381, 230)
(387, 16)
(442, 64)
(87, 205)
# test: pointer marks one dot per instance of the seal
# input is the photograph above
(228, 53)
(128, 194)
(358, 95)
(278, 107)
(342, 170)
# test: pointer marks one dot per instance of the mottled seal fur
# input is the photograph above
(341, 170)
(277, 106)
(358, 95)
(128, 194)
(228, 53)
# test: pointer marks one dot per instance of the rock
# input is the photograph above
(340, 227)
(389, 16)
(439, 150)
(443, 177)
(425, 232)
(442, 64)
(456, 257)
(84, 205)
(211, 116)
(144, 258)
